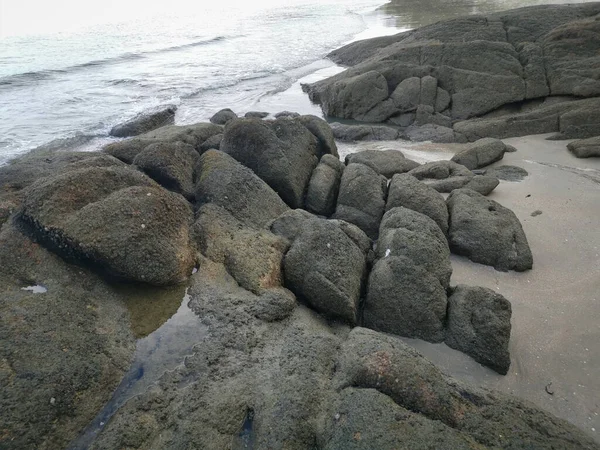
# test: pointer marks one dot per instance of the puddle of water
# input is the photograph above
(245, 440)
(38, 289)
(159, 351)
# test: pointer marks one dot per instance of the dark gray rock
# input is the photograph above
(223, 116)
(481, 153)
(349, 133)
(403, 298)
(224, 181)
(443, 176)
(430, 132)
(484, 184)
(507, 173)
(426, 115)
(145, 122)
(384, 162)
(256, 115)
(171, 165)
(64, 350)
(117, 220)
(326, 268)
(479, 325)
(405, 190)
(323, 132)
(275, 304)
(291, 223)
(194, 135)
(213, 142)
(324, 186)
(361, 199)
(371, 360)
(253, 257)
(287, 115)
(405, 232)
(366, 418)
(585, 148)
(354, 97)
(271, 149)
(486, 232)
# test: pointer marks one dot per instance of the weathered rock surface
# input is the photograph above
(361, 199)
(484, 184)
(349, 133)
(405, 190)
(467, 67)
(326, 268)
(116, 219)
(145, 122)
(486, 232)
(213, 142)
(194, 135)
(324, 186)
(256, 114)
(406, 294)
(384, 162)
(171, 165)
(253, 257)
(443, 176)
(431, 132)
(223, 116)
(479, 325)
(481, 153)
(323, 132)
(227, 183)
(291, 223)
(585, 148)
(64, 350)
(282, 152)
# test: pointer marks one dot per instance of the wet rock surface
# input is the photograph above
(145, 122)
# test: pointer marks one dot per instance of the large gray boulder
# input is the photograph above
(323, 132)
(405, 190)
(405, 232)
(585, 148)
(145, 122)
(479, 325)
(384, 162)
(170, 164)
(326, 268)
(117, 220)
(282, 152)
(324, 186)
(404, 298)
(223, 116)
(486, 232)
(481, 153)
(224, 181)
(484, 184)
(361, 200)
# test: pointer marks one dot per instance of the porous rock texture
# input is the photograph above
(384, 162)
(479, 325)
(585, 148)
(486, 232)
(464, 68)
(324, 186)
(145, 122)
(116, 219)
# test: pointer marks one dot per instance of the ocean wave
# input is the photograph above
(26, 78)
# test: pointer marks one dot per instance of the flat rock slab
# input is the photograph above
(384, 162)
(585, 148)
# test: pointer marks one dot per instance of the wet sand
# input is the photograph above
(555, 342)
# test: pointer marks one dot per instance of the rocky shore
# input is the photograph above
(308, 272)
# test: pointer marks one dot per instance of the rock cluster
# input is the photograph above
(460, 80)
(304, 269)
